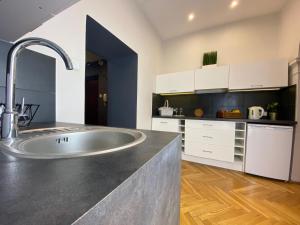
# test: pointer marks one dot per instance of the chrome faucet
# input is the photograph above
(9, 118)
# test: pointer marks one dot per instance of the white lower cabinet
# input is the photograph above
(269, 150)
(170, 125)
(215, 143)
(210, 139)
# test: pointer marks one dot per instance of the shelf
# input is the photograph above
(238, 158)
(240, 126)
(239, 142)
(239, 138)
(239, 146)
(240, 134)
(238, 151)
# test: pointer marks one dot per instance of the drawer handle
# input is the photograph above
(209, 125)
(163, 122)
(207, 137)
(173, 91)
(207, 151)
(257, 85)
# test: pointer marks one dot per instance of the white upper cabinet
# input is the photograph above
(269, 74)
(175, 82)
(209, 78)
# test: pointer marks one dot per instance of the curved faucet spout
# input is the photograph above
(9, 116)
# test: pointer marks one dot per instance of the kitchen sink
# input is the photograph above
(69, 142)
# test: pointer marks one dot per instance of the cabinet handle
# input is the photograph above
(209, 125)
(163, 122)
(207, 151)
(256, 85)
(207, 137)
(173, 91)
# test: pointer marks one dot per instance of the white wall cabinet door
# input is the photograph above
(259, 75)
(175, 82)
(168, 125)
(212, 78)
(210, 139)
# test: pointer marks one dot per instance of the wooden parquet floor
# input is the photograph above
(211, 195)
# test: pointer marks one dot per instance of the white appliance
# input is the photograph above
(269, 150)
(256, 112)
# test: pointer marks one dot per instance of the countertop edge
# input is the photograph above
(262, 121)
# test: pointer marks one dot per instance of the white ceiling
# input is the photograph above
(169, 17)
(18, 17)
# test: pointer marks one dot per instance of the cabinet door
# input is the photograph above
(212, 78)
(259, 75)
(175, 82)
(168, 125)
(210, 139)
(269, 151)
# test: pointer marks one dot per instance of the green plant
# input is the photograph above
(273, 107)
(210, 58)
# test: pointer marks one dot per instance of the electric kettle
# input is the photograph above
(256, 112)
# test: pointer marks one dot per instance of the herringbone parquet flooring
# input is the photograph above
(212, 195)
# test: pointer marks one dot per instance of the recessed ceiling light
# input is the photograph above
(234, 4)
(191, 17)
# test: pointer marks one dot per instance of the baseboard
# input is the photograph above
(237, 166)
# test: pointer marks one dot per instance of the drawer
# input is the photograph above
(210, 151)
(165, 121)
(209, 124)
(222, 137)
(169, 125)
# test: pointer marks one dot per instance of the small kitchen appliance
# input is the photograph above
(256, 112)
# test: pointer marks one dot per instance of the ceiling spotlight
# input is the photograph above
(191, 17)
(234, 4)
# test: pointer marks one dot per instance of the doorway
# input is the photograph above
(96, 99)
(112, 63)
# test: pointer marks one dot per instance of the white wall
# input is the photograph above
(248, 40)
(125, 21)
(290, 30)
(289, 47)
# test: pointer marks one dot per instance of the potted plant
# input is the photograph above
(273, 109)
(210, 58)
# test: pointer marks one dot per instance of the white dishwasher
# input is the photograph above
(269, 150)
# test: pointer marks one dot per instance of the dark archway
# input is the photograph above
(121, 62)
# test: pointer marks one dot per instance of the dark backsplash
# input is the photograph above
(211, 103)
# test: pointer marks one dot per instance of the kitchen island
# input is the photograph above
(140, 185)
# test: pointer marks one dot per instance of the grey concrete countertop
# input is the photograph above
(48, 191)
(261, 121)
